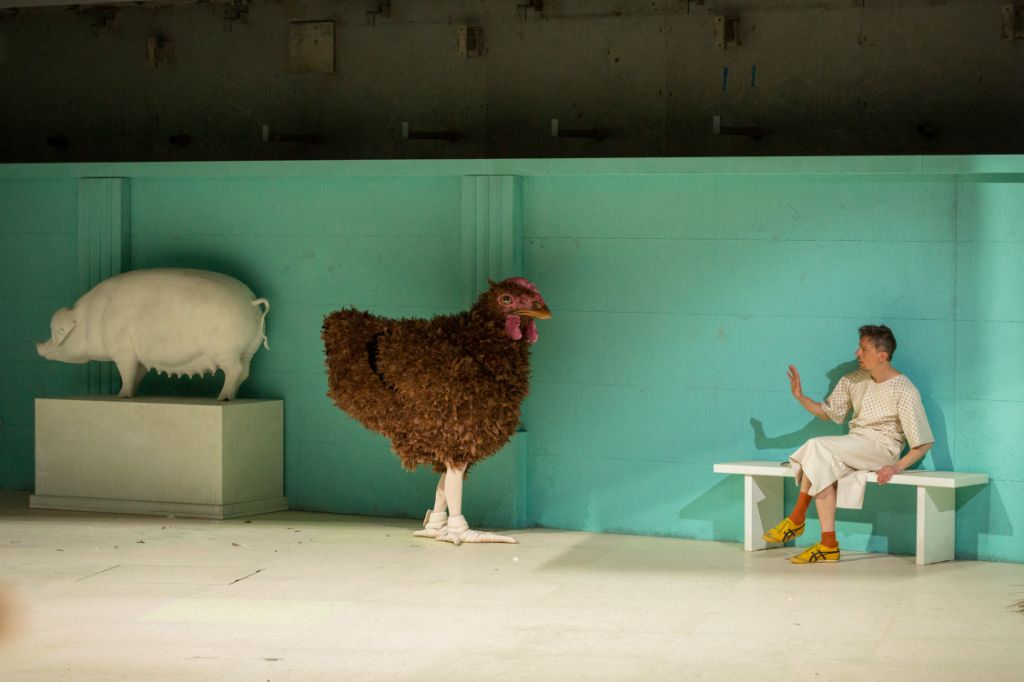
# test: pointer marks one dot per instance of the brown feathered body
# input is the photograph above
(442, 390)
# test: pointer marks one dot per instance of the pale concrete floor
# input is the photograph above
(303, 596)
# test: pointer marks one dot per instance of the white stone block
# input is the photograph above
(161, 456)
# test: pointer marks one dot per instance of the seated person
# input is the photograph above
(887, 412)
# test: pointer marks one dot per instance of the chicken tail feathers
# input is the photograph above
(354, 381)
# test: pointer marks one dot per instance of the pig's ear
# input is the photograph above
(63, 322)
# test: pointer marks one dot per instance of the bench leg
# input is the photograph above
(762, 509)
(936, 524)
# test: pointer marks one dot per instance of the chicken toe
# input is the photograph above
(458, 531)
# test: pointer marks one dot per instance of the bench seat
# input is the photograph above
(936, 503)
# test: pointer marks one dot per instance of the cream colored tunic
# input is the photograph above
(885, 416)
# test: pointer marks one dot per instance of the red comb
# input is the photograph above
(524, 283)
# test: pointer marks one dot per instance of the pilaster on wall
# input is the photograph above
(492, 230)
(492, 248)
(104, 226)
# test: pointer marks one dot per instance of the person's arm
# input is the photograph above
(914, 423)
(908, 460)
(798, 392)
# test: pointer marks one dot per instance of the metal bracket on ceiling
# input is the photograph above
(727, 31)
(309, 138)
(753, 132)
(470, 41)
(1013, 22)
(236, 11)
(181, 140)
(446, 135)
(383, 10)
(158, 51)
(60, 142)
(535, 5)
(593, 133)
(100, 15)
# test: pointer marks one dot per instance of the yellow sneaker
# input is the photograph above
(816, 553)
(786, 530)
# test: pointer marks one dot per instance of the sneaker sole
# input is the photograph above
(823, 560)
(793, 536)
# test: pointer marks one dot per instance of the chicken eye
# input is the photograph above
(505, 299)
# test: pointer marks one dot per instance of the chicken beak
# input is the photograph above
(541, 313)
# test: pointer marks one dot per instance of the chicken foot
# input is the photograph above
(457, 529)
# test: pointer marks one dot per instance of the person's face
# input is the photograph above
(868, 357)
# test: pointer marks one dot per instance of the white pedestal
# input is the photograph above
(182, 456)
(936, 504)
(762, 509)
(936, 525)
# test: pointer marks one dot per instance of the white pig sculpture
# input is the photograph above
(176, 321)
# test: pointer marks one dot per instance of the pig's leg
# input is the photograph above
(140, 372)
(128, 367)
(235, 372)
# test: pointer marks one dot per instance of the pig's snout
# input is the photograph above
(46, 348)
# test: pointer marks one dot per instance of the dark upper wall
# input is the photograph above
(825, 77)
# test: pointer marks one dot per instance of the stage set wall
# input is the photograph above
(681, 290)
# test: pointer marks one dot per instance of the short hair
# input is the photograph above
(881, 338)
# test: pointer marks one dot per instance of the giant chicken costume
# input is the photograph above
(446, 391)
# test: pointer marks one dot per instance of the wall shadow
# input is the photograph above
(812, 429)
(225, 265)
(793, 439)
(981, 511)
(940, 456)
(721, 507)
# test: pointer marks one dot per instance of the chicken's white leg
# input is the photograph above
(440, 500)
(458, 530)
(436, 519)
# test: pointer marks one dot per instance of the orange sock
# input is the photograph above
(829, 539)
(799, 514)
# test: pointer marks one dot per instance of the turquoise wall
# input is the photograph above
(682, 288)
(38, 274)
(311, 245)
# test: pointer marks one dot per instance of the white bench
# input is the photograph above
(936, 504)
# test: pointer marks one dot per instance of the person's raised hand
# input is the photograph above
(794, 383)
